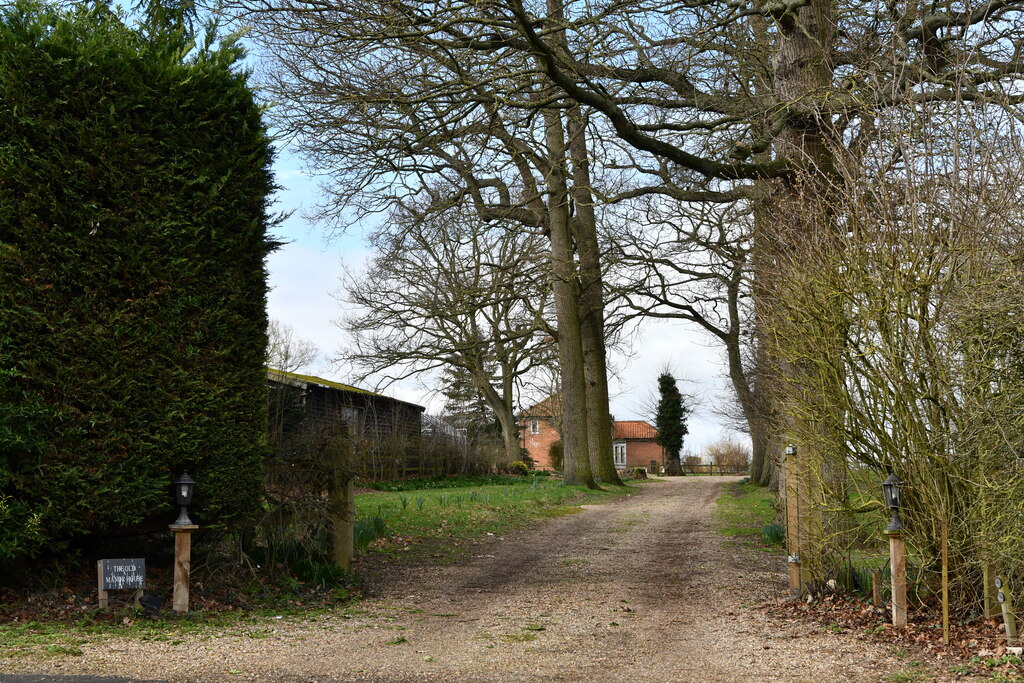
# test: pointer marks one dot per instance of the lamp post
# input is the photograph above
(897, 550)
(184, 487)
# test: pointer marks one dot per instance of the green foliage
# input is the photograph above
(132, 289)
(519, 467)
(443, 482)
(369, 530)
(670, 419)
(773, 534)
(556, 454)
(465, 407)
(744, 510)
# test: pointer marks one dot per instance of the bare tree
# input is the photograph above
(692, 262)
(286, 350)
(445, 291)
(729, 454)
(701, 102)
(393, 123)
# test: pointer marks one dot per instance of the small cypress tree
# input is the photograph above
(670, 421)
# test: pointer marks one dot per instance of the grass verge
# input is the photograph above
(44, 639)
(421, 526)
(743, 510)
(433, 526)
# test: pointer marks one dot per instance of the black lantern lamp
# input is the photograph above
(183, 489)
(893, 501)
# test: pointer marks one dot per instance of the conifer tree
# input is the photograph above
(670, 421)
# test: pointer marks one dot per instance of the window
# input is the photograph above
(535, 426)
(619, 454)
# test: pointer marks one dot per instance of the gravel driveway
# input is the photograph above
(636, 589)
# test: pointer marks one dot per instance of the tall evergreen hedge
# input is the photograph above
(134, 184)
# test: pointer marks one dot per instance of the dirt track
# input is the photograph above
(639, 588)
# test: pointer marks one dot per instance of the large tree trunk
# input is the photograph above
(565, 286)
(501, 405)
(599, 423)
(799, 216)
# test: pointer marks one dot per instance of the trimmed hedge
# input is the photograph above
(134, 185)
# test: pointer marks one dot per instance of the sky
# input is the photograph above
(304, 279)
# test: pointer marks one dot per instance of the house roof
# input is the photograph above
(634, 429)
(294, 378)
(549, 407)
(622, 429)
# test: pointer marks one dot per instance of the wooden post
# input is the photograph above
(945, 581)
(104, 596)
(343, 523)
(342, 503)
(182, 564)
(1005, 599)
(992, 609)
(898, 563)
(801, 522)
(792, 524)
(876, 587)
(794, 574)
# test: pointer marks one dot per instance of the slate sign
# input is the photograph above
(124, 573)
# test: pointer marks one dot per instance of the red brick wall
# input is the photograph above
(538, 445)
(641, 453)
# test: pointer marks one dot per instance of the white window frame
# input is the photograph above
(535, 426)
(619, 453)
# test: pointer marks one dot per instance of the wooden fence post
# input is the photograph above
(343, 507)
(343, 523)
(991, 605)
(1005, 598)
(182, 564)
(104, 596)
(898, 563)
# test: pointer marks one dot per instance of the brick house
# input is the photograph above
(539, 427)
(634, 444)
(633, 441)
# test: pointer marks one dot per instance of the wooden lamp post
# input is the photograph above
(184, 486)
(897, 550)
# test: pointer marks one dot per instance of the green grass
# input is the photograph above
(439, 521)
(744, 510)
(35, 639)
(906, 676)
(439, 533)
(461, 481)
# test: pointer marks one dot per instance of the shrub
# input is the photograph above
(132, 286)
(368, 530)
(556, 455)
(773, 534)
(519, 467)
(729, 454)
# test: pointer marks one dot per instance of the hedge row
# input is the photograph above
(134, 184)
